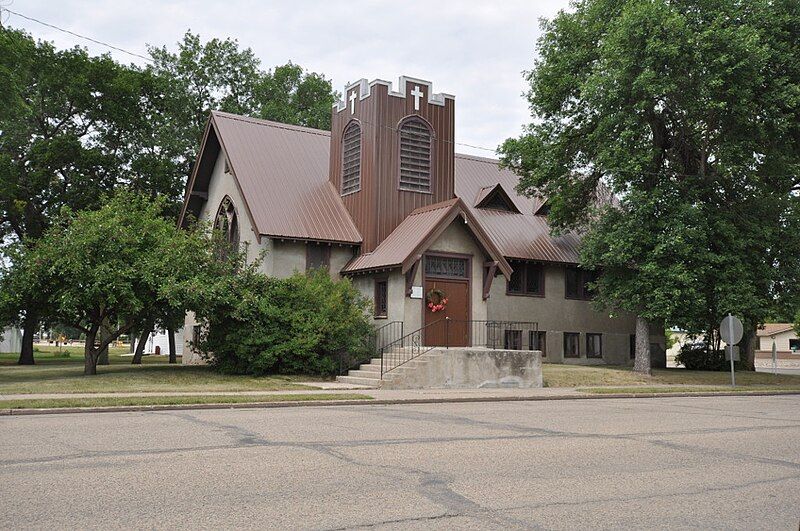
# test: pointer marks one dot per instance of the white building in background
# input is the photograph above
(11, 340)
(787, 342)
(159, 342)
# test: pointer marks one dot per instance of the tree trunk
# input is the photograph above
(140, 344)
(103, 334)
(642, 362)
(747, 348)
(90, 355)
(28, 330)
(173, 354)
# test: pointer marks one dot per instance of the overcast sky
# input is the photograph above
(476, 50)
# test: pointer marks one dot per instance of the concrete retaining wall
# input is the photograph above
(468, 368)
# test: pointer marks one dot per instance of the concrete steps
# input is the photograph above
(369, 374)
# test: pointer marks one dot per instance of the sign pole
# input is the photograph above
(730, 331)
(774, 357)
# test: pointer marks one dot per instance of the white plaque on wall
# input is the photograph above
(416, 292)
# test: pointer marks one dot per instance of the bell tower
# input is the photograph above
(392, 151)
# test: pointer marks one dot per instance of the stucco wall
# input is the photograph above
(223, 184)
(396, 294)
(781, 341)
(555, 314)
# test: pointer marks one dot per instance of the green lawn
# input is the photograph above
(615, 377)
(171, 400)
(52, 374)
(46, 354)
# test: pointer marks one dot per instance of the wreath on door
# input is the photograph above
(436, 299)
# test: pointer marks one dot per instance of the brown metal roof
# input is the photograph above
(417, 232)
(282, 171)
(525, 235)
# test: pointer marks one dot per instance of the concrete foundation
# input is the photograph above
(468, 368)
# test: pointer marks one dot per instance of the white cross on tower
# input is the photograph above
(352, 102)
(417, 93)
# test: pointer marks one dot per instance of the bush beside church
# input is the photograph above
(304, 324)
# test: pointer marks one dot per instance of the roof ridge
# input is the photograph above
(271, 123)
(447, 203)
(476, 158)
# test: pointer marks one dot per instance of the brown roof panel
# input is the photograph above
(525, 235)
(417, 232)
(399, 245)
(283, 173)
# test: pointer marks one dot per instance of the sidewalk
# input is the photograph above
(375, 394)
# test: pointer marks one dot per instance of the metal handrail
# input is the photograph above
(377, 332)
(491, 338)
(412, 336)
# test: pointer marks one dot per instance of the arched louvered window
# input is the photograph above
(415, 155)
(227, 222)
(351, 158)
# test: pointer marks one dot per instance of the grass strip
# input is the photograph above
(51, 403)
(686, 389)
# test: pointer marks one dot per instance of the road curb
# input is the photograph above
(379, 402)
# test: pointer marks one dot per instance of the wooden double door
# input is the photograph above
(450, 274)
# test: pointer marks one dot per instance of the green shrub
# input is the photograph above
(299, 325)
(695, 357)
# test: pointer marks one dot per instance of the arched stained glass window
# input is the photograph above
(227, 222)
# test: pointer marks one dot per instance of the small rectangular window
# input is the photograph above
(381, 297)
(594, 345)
(538, 341)
(526, 279)
(572, 345)
(577, 283)
(317, 256)
(512, 340)
(794, 345)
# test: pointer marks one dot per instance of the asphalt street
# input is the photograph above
(722, 462)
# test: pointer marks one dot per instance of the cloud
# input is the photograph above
(475, 50)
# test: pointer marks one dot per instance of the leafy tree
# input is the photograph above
(287, 94)
(217, 75)
(61, 128)
(115, 264)
(688, 112)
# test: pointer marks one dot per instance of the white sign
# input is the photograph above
(731, 330)
(735, 349)
(416, 292)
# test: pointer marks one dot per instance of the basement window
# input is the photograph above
(572, 345)
(512, 340)
(594, 345)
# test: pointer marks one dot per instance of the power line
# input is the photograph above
(117, 48)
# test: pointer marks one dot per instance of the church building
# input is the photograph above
(424, 232)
